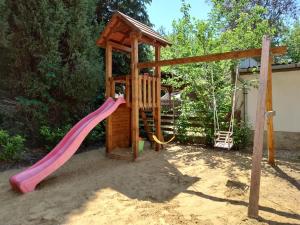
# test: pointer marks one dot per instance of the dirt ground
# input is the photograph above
(180, 185)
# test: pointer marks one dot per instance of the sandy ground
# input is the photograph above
(180, 185)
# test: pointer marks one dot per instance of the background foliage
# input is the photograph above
(232, 25)
(50, 65)
(52, 73)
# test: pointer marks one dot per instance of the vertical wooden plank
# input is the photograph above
(149, 84)
(108, 73)
(145, 91)
(270, 129)
(158, 90)
(140, 92)
(259, 130)
(127, 91)
(135, 95)
(112, 87)
(153, 92)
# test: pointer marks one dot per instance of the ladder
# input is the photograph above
(223, 140)
(147, 127)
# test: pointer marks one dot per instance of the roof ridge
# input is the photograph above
(131, 20)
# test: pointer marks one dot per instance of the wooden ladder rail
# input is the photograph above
(146, 126)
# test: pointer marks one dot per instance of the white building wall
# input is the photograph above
(286, 100)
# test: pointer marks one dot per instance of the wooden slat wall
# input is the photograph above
(121, 127)
(147, 86)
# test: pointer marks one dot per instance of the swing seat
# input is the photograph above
(223, 140)
(162, 142)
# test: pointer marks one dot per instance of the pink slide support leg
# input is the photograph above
(27, 180)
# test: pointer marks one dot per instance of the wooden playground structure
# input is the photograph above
(124, 34)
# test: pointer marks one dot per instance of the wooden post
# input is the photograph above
(259, 130)
(157, 115)
(135, 95)
(270, 129)
(108, 74)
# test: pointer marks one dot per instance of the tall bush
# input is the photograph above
(56, 68)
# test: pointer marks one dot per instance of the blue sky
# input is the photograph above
(163, 12)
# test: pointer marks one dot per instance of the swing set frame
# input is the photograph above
(122, 128)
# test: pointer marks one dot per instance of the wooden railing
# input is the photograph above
(147, 90)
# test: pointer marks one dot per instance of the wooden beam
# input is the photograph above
(119, 46)
(259, 130)
(270, 129)
(108, 77)
(135, 95)
(157, 115)
(213, 57)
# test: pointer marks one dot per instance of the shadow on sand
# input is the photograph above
(139, 180)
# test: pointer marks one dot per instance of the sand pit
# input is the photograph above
(180, 185)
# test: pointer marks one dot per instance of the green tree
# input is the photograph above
(192, 37)
(293, 42)
(56, 68)
(197, 81)
(278, 13)
(4, 59)
(3, 23)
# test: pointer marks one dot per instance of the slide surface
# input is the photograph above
(27, 180)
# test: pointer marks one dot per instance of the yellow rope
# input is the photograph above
(161, 142)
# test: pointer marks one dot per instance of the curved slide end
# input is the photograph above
(27, 180)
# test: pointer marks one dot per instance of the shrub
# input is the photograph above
(96, 135)
(241, 135)
(51, 136)
(11, 147)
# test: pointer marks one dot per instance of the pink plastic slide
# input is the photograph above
(27, 180)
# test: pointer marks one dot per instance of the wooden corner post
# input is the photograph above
(270, 129)
(135, 95)
(259, 130)
(108, 76)
(157, 115)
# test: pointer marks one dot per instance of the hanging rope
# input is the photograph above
(223, 139)
(231, 125)
(216, 120)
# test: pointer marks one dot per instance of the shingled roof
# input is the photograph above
(120, 26)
